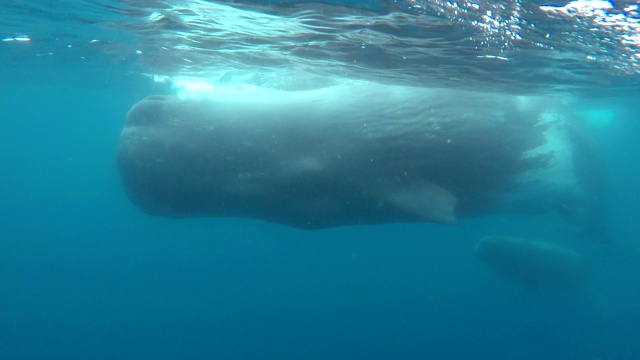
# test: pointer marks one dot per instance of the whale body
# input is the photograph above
(534, 263)
(357, 153)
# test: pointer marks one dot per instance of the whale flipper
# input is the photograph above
(428, 201)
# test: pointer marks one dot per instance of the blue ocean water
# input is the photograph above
(84, 274)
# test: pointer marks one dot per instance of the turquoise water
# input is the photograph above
(85, 274)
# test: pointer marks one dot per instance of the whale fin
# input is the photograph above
(428, 201)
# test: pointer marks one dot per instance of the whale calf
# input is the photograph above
(534, 263)
(356, 153)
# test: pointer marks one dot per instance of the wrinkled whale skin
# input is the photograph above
(358, 153)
